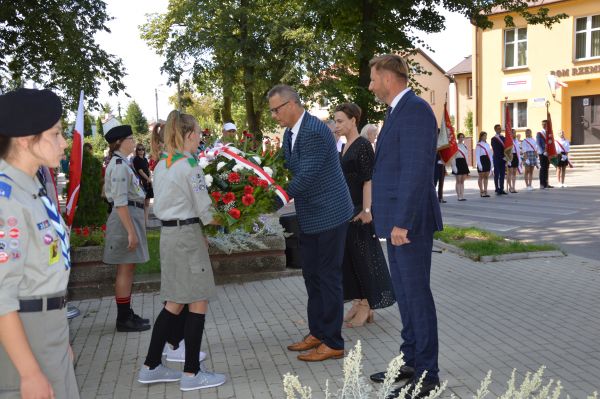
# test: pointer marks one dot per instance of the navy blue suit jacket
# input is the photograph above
(498, 148)
(318, 186)
(403, 191)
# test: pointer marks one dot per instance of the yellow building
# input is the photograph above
(435, 85)
(463, 84)
(522, 63)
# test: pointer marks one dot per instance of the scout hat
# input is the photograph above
(118, 132)
(28, 112)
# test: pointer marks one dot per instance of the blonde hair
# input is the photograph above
(177, 127)
(392, 63)
(157, 140)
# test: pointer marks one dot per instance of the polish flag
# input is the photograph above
(508, 141)
(447, 145)
(75, 164)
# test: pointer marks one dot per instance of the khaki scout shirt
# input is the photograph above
(31, 260)
(121, 184)
(180, 191)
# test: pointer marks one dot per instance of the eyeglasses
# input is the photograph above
(276, 109)
(141, 149)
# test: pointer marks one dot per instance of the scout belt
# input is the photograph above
(37, 305)
(171, 223)
(132, 203)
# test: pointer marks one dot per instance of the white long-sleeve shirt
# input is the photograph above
(484, 149)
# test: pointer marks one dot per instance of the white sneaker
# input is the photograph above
(178, 355)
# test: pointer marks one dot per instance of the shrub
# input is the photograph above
(91, 207)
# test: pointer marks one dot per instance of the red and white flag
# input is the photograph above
(508, 141)
(75, 164)
(447, 145)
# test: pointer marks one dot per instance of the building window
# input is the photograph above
(587, 37)
(432, 97)
(469, 88)
(515, 48)
(518, 114)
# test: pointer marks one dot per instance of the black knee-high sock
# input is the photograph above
(176, 333)
(194, 327)
(163, 324)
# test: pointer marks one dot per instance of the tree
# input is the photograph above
(91, 207)
(53, 44)
(135, 118)
(469, 124)
(87, 124)
(99, 127)
(352, 32)
(106, 108)
(253, 45)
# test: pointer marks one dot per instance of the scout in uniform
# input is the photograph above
(35, 356)
(125, 242)
(182, 203)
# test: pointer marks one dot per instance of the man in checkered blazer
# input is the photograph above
(406, 212)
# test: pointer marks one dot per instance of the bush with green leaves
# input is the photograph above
(91, 207)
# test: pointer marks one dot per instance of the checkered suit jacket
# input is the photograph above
(403, 191)
(318, 186)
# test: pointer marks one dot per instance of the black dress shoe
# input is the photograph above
(404, 373)
(131, 325)
(503, 192)
(426, 388)
(549, 186)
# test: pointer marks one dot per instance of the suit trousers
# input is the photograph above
(439, 175)
(322, 255)
(544, 166)
(410, 267)
(499, 172)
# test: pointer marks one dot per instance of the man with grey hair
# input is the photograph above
(323, 208)
(369, 132)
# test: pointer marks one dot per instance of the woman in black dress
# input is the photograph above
(365, 273)
(142, 169)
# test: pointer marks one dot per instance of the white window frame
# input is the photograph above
(516, 48)
(588, 38)
(515, 110)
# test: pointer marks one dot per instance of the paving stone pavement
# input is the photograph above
(492, 316)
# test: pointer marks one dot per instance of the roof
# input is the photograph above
(428, 58)
(463, 67)
(538, 3)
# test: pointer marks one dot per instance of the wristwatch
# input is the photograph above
(367, 210)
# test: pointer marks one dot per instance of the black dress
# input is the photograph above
(365, 272)
(142, 163)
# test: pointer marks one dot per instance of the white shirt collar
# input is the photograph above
(397, 99)
(296, 127)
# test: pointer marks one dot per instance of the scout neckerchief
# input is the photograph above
(56, 222)
(170, 159)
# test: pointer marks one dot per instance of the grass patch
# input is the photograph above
(477, 243)
(153, 265)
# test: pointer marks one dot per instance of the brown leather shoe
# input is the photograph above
(307, 343)
(320, 353)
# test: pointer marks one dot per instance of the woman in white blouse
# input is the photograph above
(530, 158)
(562, 149)
(483, 154)
(460, 168)
(515, 164)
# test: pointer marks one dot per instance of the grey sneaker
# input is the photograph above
(204, 379)
(159, 374)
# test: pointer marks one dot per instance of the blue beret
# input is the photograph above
(27, 112)
(118, 132)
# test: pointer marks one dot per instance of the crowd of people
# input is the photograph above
(526, 156)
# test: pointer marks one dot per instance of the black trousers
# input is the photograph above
(499, 172)
(322, 256)
(438, 177)
(544, 166)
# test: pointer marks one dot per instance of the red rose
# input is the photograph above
(234, 177)
(103, 227)
(253, 179)
(246, 134)
(235, 213)
(86, 231)
(263, 183)
(216, 195)
(248, 199)
(78, 230)
(228, 198)
(248, 189)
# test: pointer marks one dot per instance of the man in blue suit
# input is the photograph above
(323, 208)
(499, 161)
(406, 213)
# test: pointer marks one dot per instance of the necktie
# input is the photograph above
(387, 114)
(56, 222)
(288, 137)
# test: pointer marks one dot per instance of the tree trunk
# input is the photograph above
(366, 52)
(248, 72)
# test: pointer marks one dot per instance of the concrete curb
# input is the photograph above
(497, 258)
